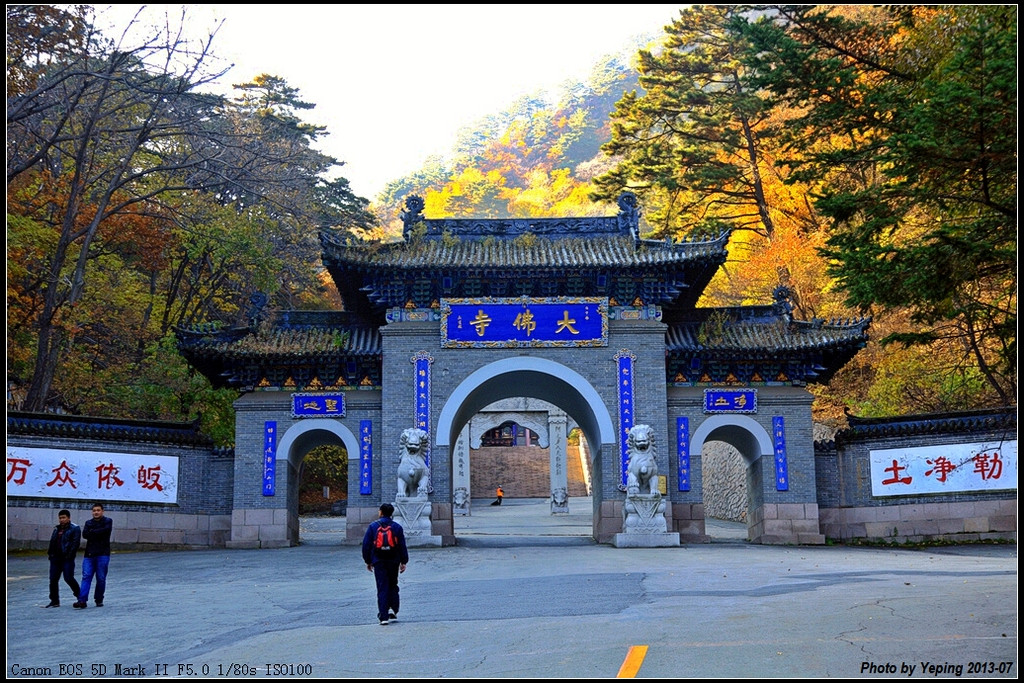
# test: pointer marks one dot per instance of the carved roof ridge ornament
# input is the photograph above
(257, 302)
(625, 223)
(629, 214)
(783, 305)
(412, 215)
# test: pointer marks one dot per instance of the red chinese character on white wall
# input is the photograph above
(988, 465)
(62, 475)
(896, 478)
(17, 469)
(941, 465)
(106, 476)
(149, 478)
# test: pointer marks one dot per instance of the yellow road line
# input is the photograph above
(634, 658)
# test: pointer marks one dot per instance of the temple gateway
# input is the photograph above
(552, 323)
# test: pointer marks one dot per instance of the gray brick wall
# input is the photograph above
(853, 470)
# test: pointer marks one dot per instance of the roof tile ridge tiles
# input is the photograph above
(113, 429)
(977, 420)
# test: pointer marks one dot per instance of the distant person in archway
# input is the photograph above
(500, 495)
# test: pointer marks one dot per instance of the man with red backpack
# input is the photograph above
(386, 555)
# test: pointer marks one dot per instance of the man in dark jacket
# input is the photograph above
(63, 550)
(386, 563)
(97, 556)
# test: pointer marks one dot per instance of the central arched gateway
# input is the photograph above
(579, 313)
(533, 378)
(537, 378)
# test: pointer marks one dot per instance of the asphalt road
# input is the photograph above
(525, 595)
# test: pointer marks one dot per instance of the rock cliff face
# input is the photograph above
(725, 483)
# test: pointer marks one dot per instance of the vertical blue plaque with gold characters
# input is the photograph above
(624, 360)
(422, 361)
(683, 452)
(365, 457)
(269, 456)
(781, 466)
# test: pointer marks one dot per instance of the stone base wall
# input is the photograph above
(31, 527)
(986, 520)
(786, 524)
(259, 529)
(687, 519)
(356, 521)
(608, 520)
(442, 523)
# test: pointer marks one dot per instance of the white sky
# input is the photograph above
(394, 83)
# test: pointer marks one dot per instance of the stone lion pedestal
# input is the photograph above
(644, 524)
(412, 505)
(643, 514)
(413, 513)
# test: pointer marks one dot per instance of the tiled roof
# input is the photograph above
(374, 278)
(600, 253)
(304, 342)
(301, 346)
(292, 333)
(759, 344)
(993, 420)
(108, 429)
(753, 337)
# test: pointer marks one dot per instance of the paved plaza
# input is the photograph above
(528, 595)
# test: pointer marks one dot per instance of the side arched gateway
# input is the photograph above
(296, 442)
(779, 509)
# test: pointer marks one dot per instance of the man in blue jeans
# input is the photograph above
(96, 532)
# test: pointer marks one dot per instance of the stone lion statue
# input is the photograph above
(642, 470)
(413, 477)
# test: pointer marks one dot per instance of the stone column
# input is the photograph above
(460, 474)
(559, 462)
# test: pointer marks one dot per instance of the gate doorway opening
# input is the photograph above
(314, 455)
(514, 443)
(732, 443)
(323, 481)
(323, 496)
(724, 491)
(540, 386)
